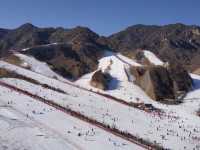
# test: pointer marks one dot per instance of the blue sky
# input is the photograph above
(103, 16)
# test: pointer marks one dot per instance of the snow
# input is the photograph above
(25, 49)
(18, 132)
(122, 86)
(28, 124)
(115, 64)
(132, 93)
(126, 60)
(114, 114)
(152, 58)
(177, 130)
(38, 66)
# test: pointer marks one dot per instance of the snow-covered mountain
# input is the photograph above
(40, 109)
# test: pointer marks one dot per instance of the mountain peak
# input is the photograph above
(83, 29)
(27, 26)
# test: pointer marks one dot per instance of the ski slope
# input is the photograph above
(19, 132)
(28, 124)
(122, 86)
(178, 126)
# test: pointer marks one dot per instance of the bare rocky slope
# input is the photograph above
(172, 43)
(76, 51)
(165, 84)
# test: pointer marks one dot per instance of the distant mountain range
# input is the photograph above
(173, 43)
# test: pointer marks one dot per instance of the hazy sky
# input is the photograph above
(103, 16)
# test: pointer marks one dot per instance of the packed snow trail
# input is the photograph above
(29, 120)
(82, 133)
(105, 95)
(165, 123)
(116, 132)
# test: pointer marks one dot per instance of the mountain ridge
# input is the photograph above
(172, 43)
